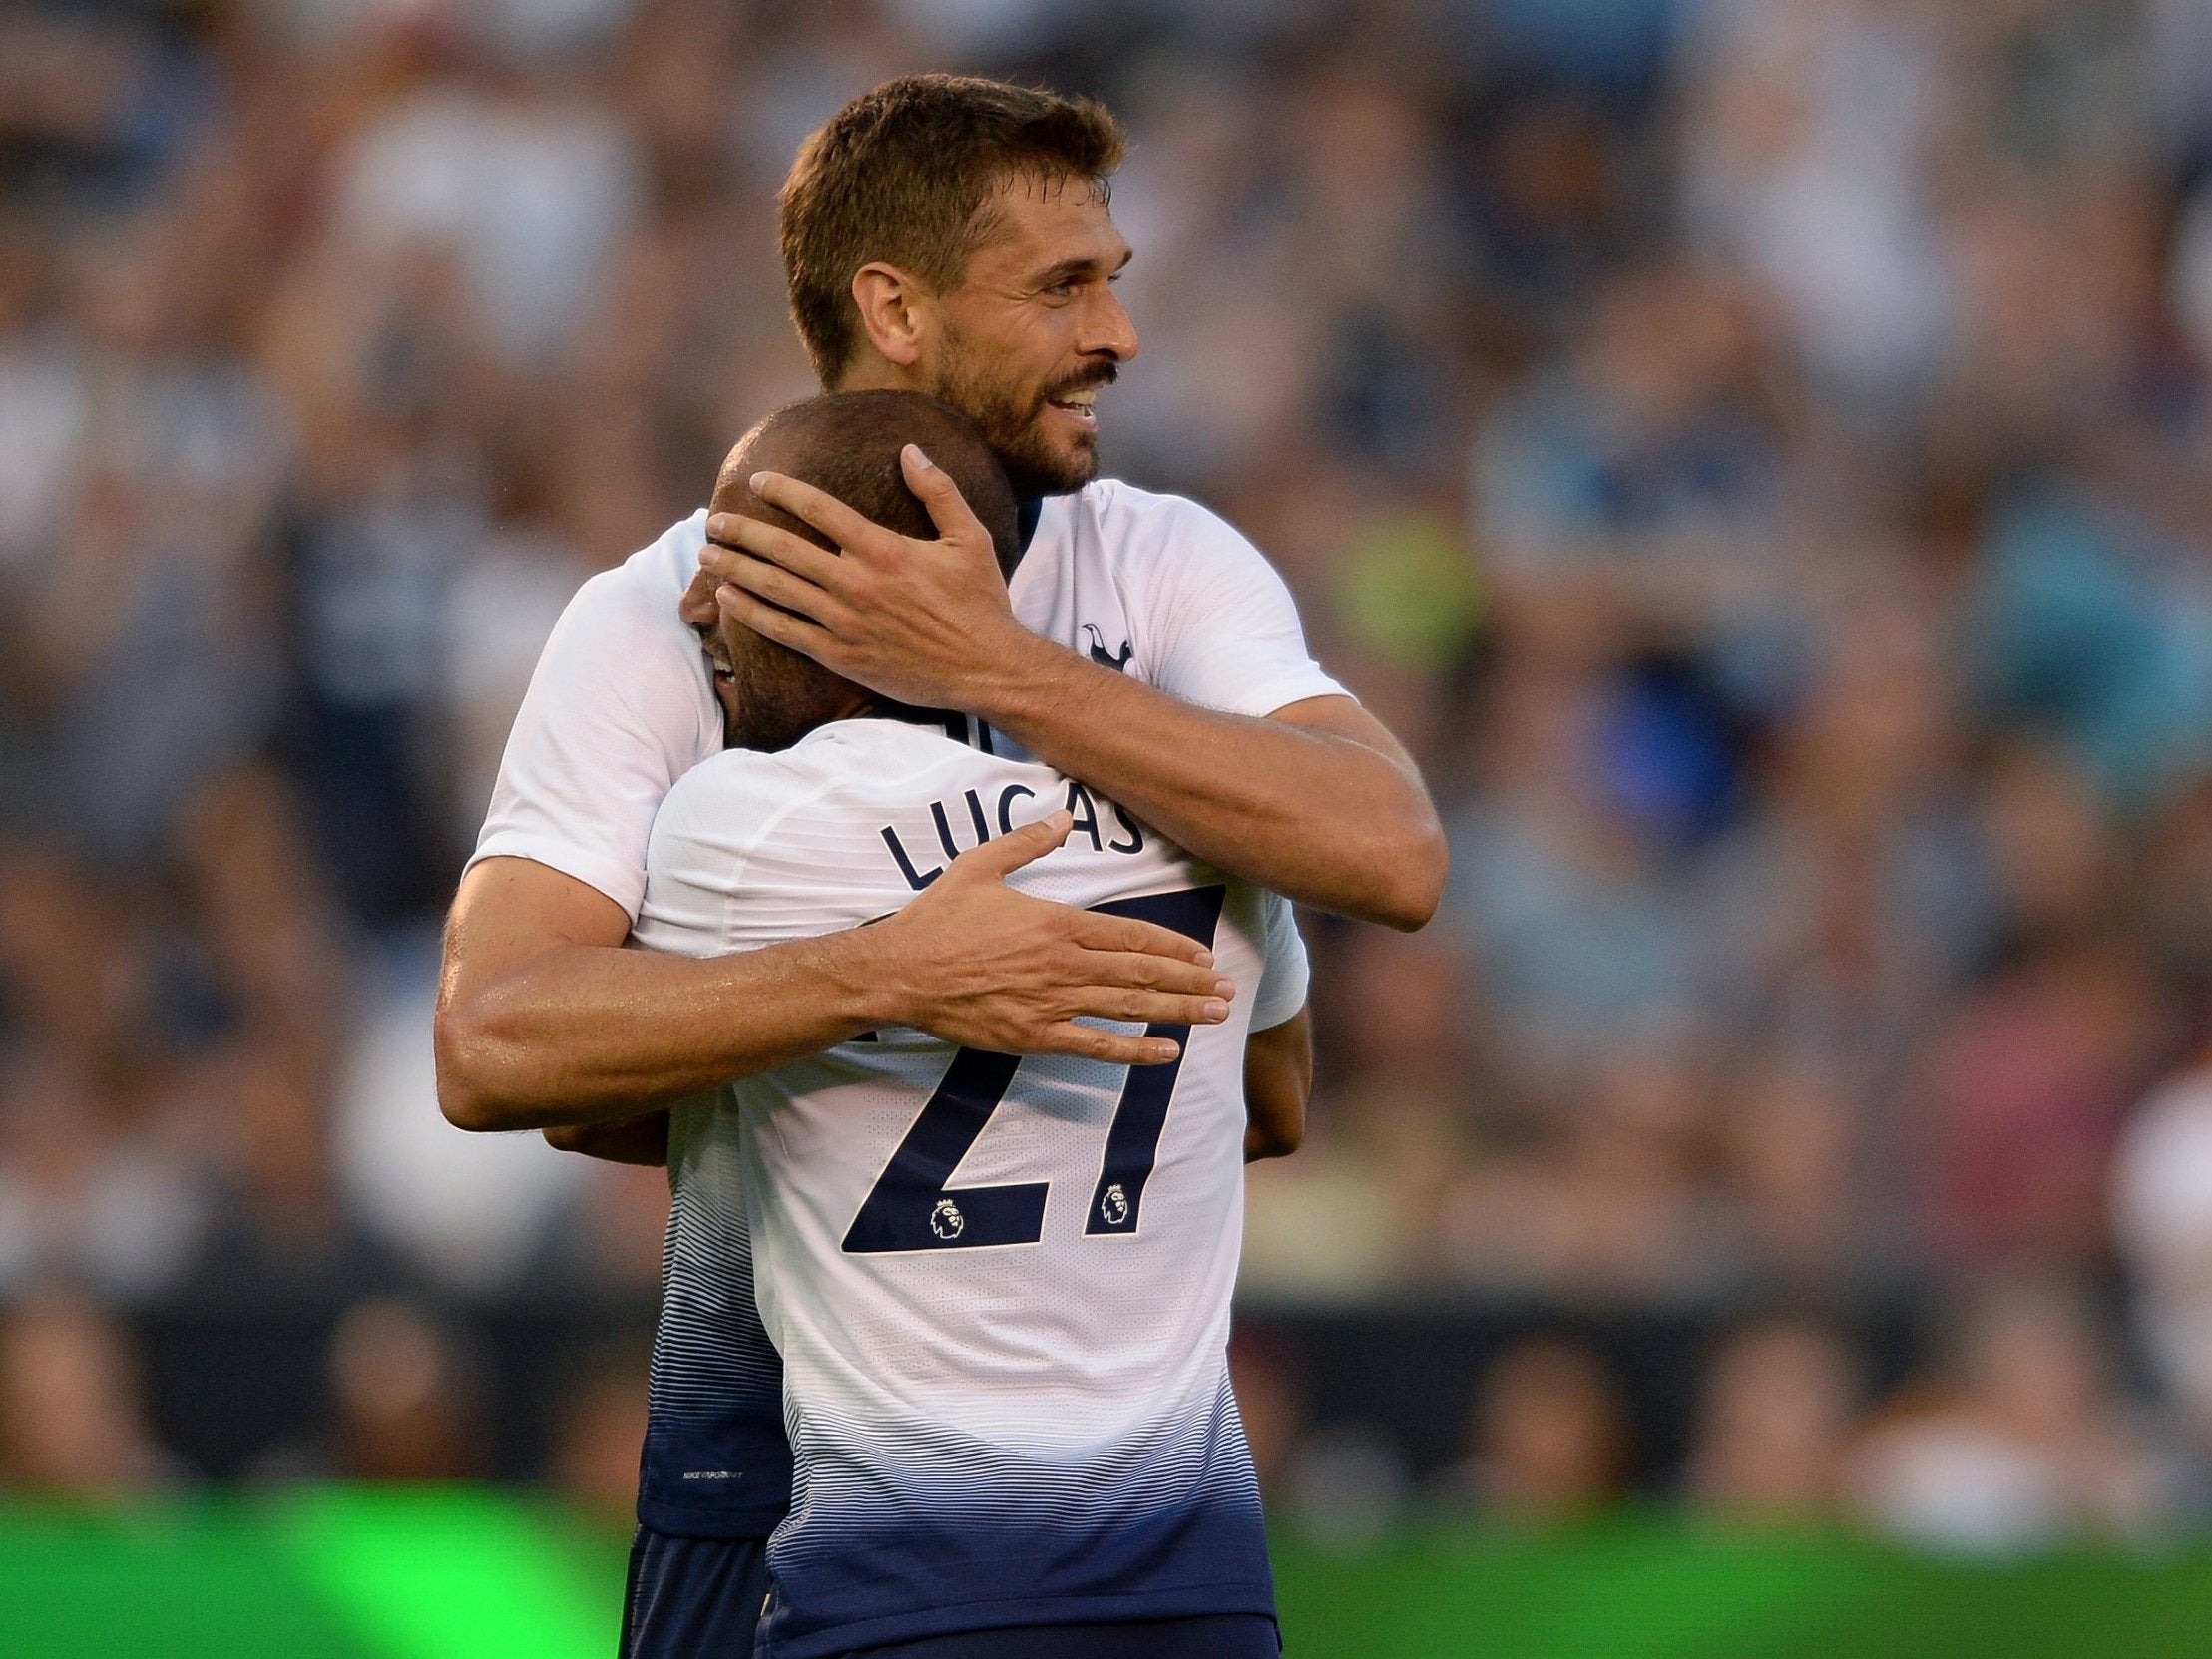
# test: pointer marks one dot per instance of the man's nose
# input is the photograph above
(697, 607)
(1108, 331)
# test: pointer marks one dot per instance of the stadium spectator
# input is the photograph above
(2019, 1442)
(1775, 1422)
(72, 1407)
(1550, 1440)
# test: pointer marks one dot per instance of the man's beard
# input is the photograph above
(780, 696)
(1010, 420)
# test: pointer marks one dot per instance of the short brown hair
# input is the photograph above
(901, 175)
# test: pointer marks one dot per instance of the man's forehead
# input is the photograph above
(1050, 219)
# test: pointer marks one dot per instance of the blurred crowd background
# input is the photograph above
(1755, 451)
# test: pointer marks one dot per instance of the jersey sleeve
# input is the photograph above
(1224, 630)
(1285, 975)
(615, 714)
(700, 843)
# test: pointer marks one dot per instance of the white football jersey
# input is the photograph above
(621, 705)
(1000, 1287)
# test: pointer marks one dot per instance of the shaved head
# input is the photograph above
(847, 445)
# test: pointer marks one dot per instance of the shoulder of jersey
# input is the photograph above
(631, 610)
(846, 773)
(1133, 520)
(659, 571)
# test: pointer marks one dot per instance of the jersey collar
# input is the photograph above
(961, 729)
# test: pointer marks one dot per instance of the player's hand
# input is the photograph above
(919, 622)
(989, 967)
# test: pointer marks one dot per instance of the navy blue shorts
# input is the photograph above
(692, 1598)
(1220, 1636)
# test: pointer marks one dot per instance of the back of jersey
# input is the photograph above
(1000, 1288)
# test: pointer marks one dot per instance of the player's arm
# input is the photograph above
(1316, 801)
(544, 1019)
(1278, 1082)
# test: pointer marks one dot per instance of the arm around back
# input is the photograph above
(1316, 801)
(544, 1018)
(1278, 1082)
(1303, 791)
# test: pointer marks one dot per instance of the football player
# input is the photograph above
(952, 237)
(1000, 1287)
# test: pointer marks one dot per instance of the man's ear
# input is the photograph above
(897, 314)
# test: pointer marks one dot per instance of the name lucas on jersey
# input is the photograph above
(969, 805)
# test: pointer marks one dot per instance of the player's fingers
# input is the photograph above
(801, 633)
(1127, 935)
(1067, 1038)
(730, 537)
(848, 529)
(1137, 971)
(780, 587)
(1150, 1008)
(999, 858)
(948, 508)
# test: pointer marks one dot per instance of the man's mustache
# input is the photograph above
(1100, 374)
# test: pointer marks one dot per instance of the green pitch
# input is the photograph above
(366, 1573)
(320, 1573)
(1658, 1588)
